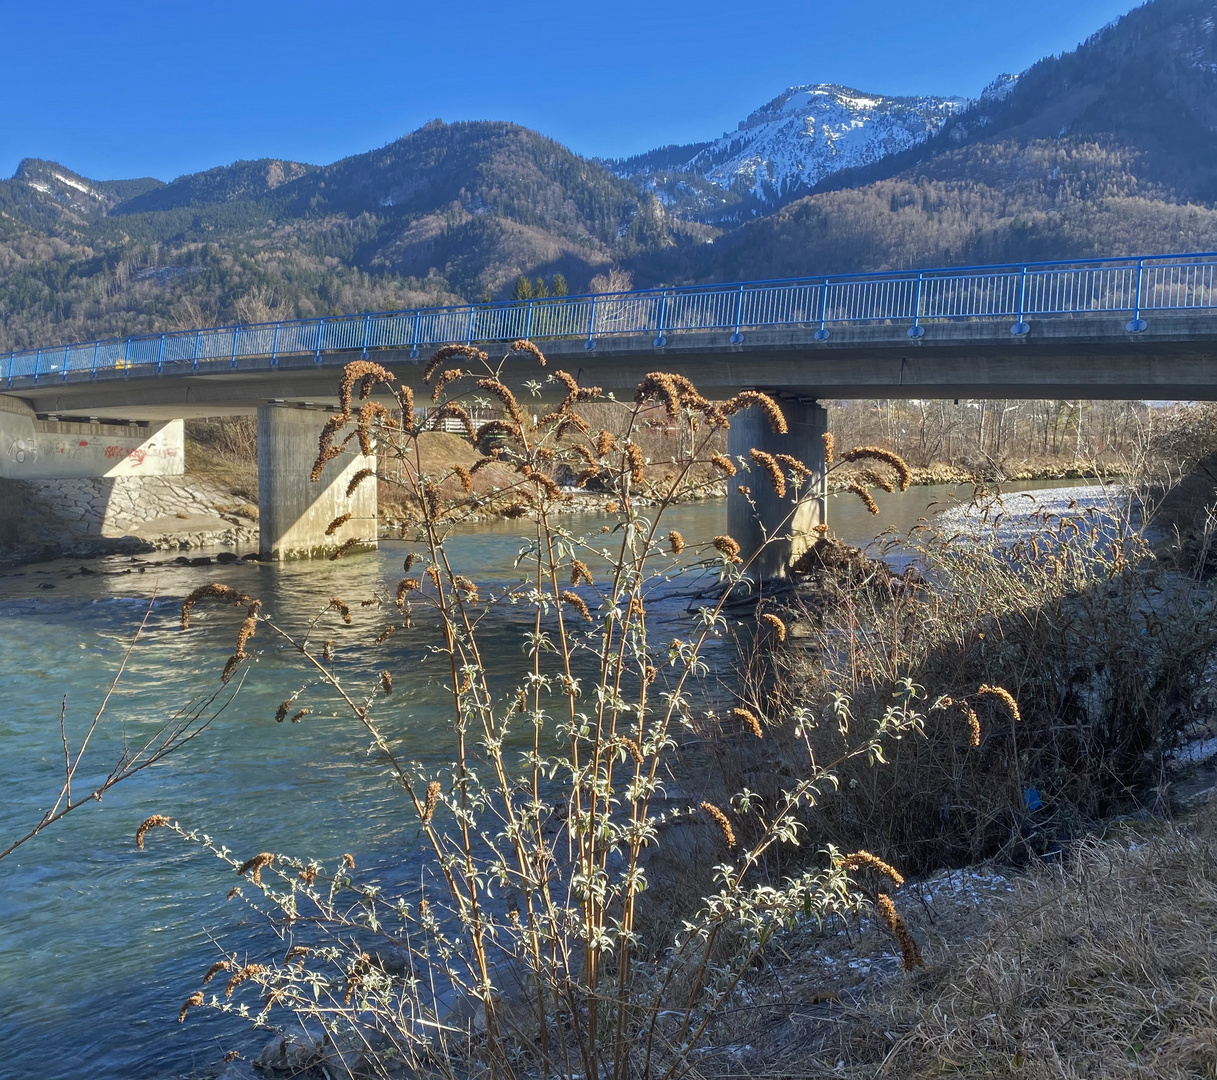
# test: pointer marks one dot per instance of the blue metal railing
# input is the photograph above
(1018, 291)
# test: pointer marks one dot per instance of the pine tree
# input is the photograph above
(539, 291)
(523, 289)
(559, 286)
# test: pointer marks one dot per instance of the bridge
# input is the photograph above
(1122, 328)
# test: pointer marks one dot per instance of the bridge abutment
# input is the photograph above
(762, 515)
(33, 448)
(293, 511)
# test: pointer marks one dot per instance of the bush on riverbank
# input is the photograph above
(1106, 651)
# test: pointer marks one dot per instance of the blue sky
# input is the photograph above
(139, 88)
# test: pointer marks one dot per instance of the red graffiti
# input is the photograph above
(135, 456)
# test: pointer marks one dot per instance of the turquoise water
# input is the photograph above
(99, 942)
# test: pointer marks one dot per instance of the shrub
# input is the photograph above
(531, 946)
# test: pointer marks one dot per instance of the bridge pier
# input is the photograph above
(790, 526)
(294, 512)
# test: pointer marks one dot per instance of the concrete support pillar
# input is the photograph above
(294, 512)
(788, 526)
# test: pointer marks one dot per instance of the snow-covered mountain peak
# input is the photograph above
(809, 132)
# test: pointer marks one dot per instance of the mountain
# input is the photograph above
(1108, 149)
(786, 148)
(449, 210)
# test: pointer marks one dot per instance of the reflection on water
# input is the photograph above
(100, 943)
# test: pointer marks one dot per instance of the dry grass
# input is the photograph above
(1103, 966)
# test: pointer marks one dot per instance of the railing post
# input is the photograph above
(1020, 328)
(67, 355)
(127, 358)
(320, 331)
(591, 325)
(1137, 324)
(469, 328)
(823, 333)
(367, 336)
(528, 322)
(917, 330)
(96, 349)
(737, 337)
(37, 365)
(12, 360)
(160, 356)
(198, 342)
(236, 334)
(274, 348)
(660, 340)
(418, 319)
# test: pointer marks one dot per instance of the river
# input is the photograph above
(99, 942)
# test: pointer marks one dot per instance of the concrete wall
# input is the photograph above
(33, 449)
(294, 512)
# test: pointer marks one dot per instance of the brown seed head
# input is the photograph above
(367, 374)
(358, 479)
(386, 682)
(676, 542)
(1005, 697)
(728, 547)
(720, 819)
(579, 572)
(769, 408)
(440, 356)
(577, 602)
(830, 444)
(338, 606)
(605, 442)
(156, 821)
(904, 474)
(348, 861)
(247, 972)
(337, 524)
(449, 376)
(893, 920)
(510, 406)
(192, 1002)
(465, 477)
(363, 425)
(750, 720)
(776, 477)
(205, 592)
(635, 751)
(865, 496)
(637, 462)
(528, 347)
(345, 547)
(431, 801)
(253, 867)
(775, 624)
(297, 717)
(215, 969)
(860, 860)
(724, 464)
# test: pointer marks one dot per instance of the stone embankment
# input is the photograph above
(80, 518)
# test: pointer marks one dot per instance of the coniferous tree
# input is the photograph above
(539, 291)
(523, 289)
(559, 287)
